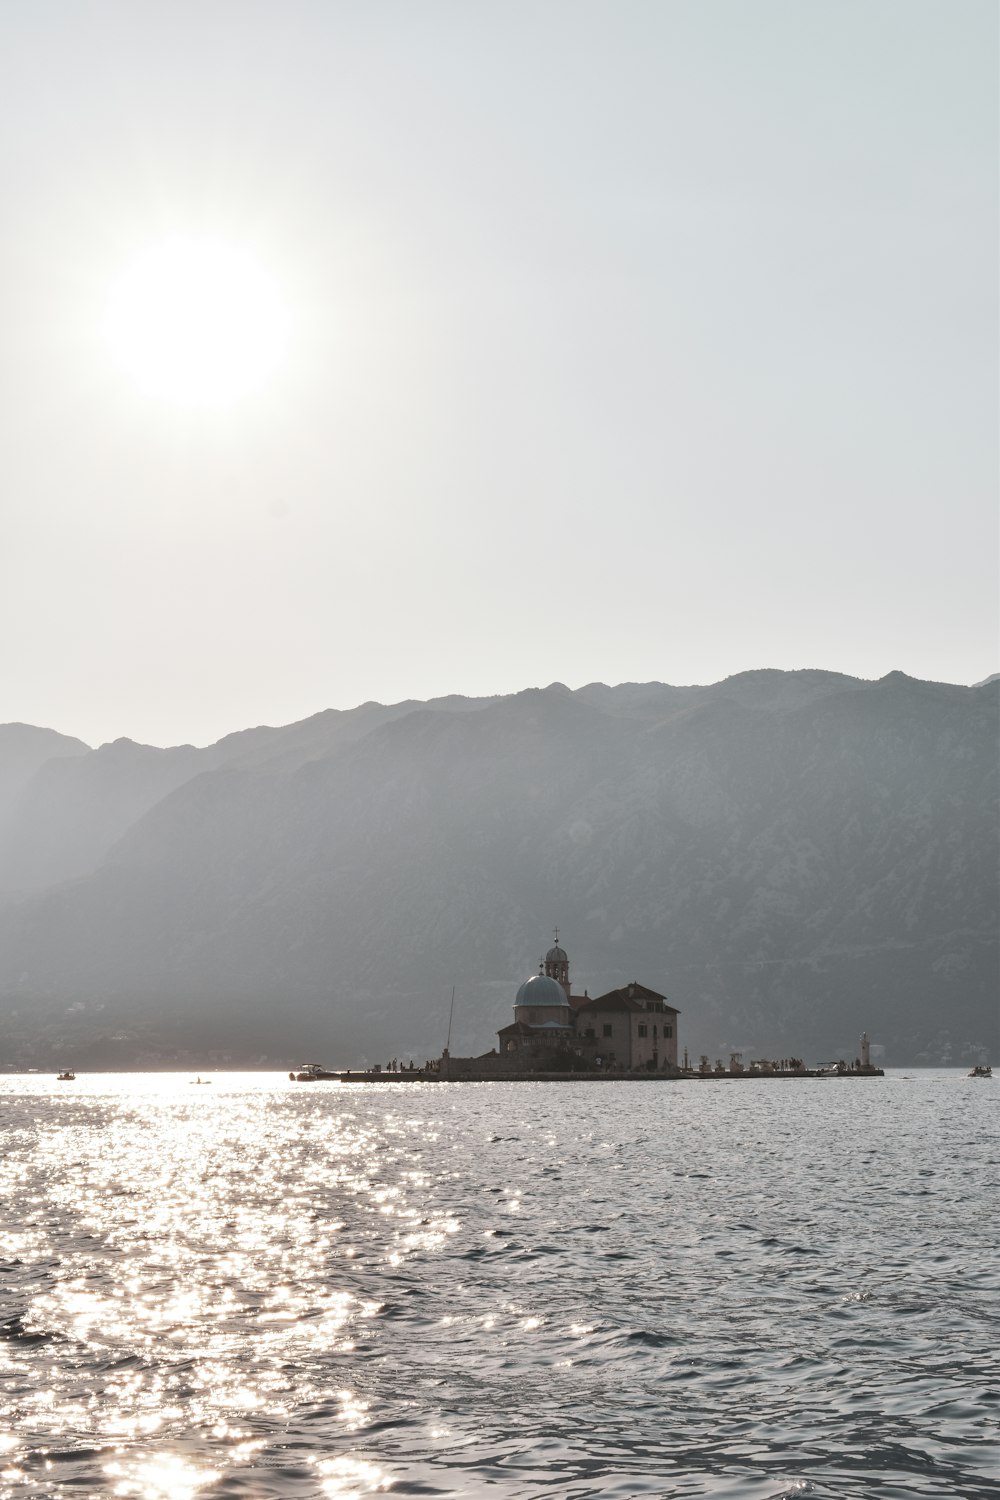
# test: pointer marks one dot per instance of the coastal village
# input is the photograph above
(629, 1032)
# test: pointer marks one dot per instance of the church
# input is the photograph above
(631, 1029)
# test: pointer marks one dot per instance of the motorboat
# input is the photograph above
(311, 1073)
(981, 1070)
(66, 1076)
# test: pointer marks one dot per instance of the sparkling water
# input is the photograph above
(759, 1289)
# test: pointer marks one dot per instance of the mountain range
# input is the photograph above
(792, 857)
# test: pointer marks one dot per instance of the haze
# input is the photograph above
(620, 341)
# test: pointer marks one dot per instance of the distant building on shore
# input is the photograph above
(631, 1029)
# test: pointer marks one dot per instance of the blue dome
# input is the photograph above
(541, 990)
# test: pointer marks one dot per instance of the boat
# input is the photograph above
(311, 1073)
(199, 1079)
(981, 1070)
(66, 1076)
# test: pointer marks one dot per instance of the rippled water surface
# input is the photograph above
(259, 1288)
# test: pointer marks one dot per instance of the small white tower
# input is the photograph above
(866, 1056)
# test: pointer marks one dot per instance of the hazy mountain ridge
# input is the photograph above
(24, 749)
(62, 816)
(792, 856)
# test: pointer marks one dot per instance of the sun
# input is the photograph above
(196, 322)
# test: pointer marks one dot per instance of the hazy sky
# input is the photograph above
(582, 341)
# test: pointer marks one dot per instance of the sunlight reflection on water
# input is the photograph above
(581, 1290)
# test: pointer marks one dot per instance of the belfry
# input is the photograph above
(557, 965)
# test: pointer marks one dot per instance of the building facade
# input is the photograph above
(632, 1029)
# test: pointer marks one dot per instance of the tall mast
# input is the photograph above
(447, 1045)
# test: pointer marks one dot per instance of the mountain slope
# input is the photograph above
(70, 804)
(24, 748)
(792, 860)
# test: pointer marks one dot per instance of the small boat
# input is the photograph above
(199, 1079)
(311, 1073)
(981, 1070)
(66, 1076)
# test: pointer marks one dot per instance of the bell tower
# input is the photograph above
(557, 965)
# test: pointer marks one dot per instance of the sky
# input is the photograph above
(396, 348)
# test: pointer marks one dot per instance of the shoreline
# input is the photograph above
(419, 1075)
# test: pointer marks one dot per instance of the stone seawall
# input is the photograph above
(417, 1075)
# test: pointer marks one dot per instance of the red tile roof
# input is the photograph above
(631, 997)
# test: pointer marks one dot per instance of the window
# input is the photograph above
(607, 1030)
(642, 1029)
(654, 1033)
(668, 1031)
(589, 1032)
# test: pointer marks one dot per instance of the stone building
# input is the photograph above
(632, 1028)
(627, 1030)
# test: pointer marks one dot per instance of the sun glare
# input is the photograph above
(196, 322)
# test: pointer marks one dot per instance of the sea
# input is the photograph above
(756, 1289)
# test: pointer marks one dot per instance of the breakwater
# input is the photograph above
(423, 1075)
